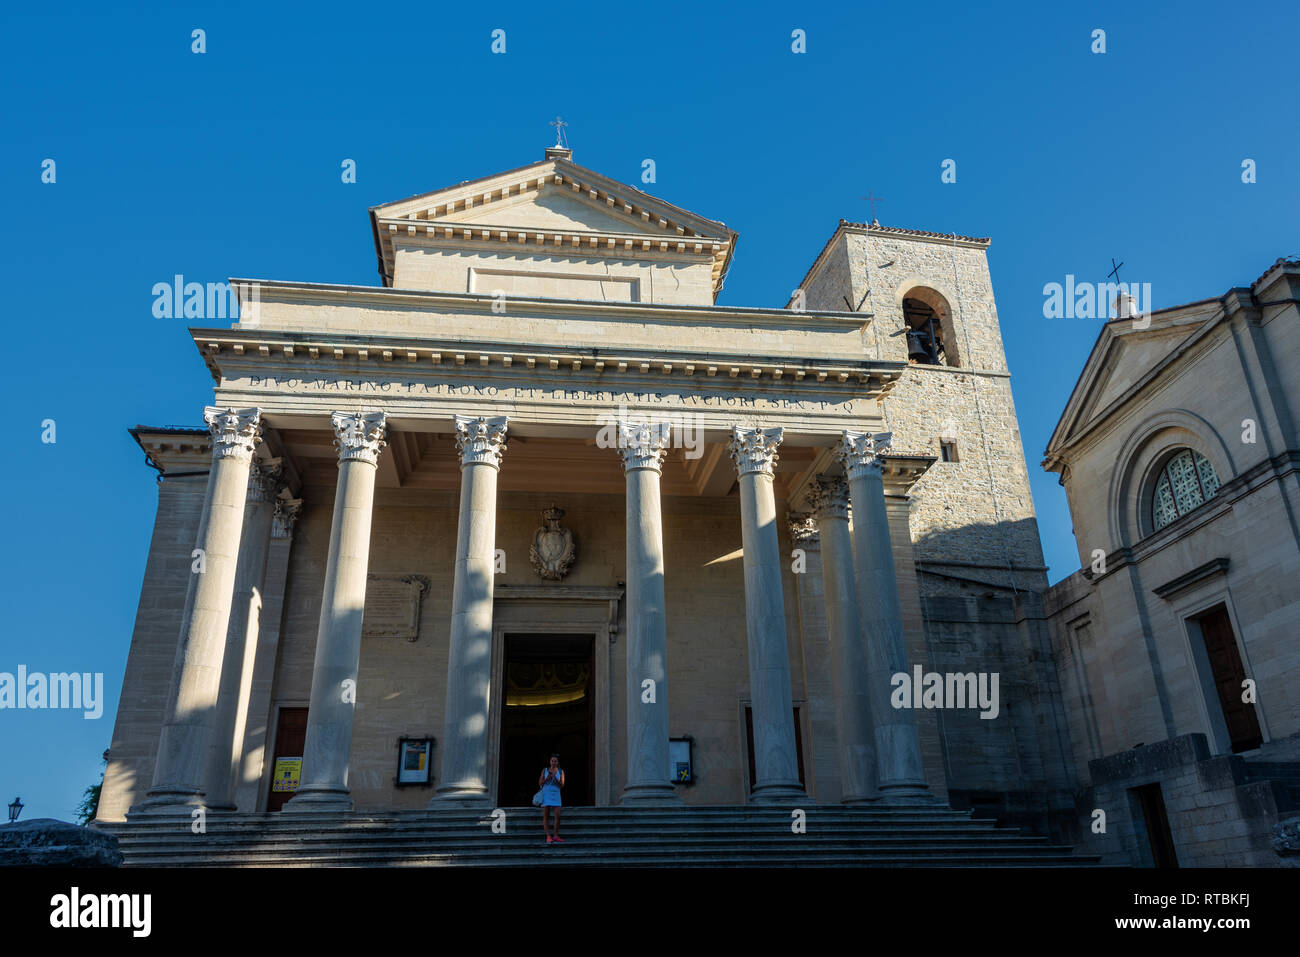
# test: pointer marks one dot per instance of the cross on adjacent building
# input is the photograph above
(559, 125)
(1115, 271)
(873, 199)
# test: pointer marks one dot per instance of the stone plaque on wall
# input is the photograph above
(393, 606)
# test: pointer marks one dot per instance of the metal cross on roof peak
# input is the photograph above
(560, 138)
(873, 199)
(1114, 271)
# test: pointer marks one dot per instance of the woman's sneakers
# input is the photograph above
(558, 839)
(548, 839)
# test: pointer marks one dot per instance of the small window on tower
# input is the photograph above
(948, 451)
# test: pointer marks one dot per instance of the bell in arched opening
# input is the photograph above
(924, 333)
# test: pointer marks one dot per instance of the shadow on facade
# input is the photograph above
(981, 594)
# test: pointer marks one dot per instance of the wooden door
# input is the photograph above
(1229, 675)
(290, 738)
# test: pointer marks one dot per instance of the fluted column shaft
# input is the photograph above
(642, 448)
(480, 442)
(829, 499)
(196, 674)
(328, 747)
(776, 766)
(241, 638)
(900, 770)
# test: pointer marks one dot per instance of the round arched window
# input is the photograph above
(1187, 481)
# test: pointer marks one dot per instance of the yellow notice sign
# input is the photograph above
(288, 772)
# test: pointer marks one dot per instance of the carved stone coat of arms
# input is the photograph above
(553, 548)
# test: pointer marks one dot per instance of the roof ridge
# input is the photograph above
(876, 227)
(1280, 261)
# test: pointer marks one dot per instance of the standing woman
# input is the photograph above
(550, 782)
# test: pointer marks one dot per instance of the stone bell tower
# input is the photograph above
(978, 558)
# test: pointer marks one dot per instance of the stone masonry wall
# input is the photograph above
(1217, 817)
(149, 662)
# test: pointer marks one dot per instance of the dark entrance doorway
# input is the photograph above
(547, 707)
(1229, 679)
(1160, 838)
(290, 738)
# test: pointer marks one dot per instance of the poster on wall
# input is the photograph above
(288, 772)
(413, 760)
(679, 759)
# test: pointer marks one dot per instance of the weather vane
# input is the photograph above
(1114, 271)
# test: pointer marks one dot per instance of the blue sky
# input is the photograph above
(227, 164)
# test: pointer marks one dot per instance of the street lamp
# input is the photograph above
(15, 809)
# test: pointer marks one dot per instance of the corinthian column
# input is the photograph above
(241, 637)
(359, 436)
(196, 673)
(252, 755)
(829, 498)
(901, 776)
(642, 448)
(776, 765)
(479, 442)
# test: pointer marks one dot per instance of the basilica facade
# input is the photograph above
(538, 493)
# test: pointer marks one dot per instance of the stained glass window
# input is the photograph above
(1165, 509)
(1187, 481)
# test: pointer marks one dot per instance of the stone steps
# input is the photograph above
(595, 837)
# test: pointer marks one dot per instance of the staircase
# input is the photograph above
(595, 837)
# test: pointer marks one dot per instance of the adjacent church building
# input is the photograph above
(538, 493)
(1178, 641)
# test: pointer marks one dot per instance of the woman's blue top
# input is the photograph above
(551, 790)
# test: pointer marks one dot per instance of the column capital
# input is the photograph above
(480, 440)
(861, 452)
(754, 450)
(235, 432)
(828, 497)
(803, 529)
(643, 445)
(265, 480)
(285, 517)
(359, 435)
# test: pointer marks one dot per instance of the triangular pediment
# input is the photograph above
(552, 203)
(1124, 357)
(551, 208)
(1128, 358)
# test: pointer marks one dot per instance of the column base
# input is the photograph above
(459, 796)
(860, 800)
(649, 795)
(179, 803)
(319, 799)
(907, 794)
(779, 794)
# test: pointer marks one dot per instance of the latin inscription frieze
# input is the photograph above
(395, 387)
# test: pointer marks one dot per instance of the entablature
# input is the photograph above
(174, 449)
(293, 353)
